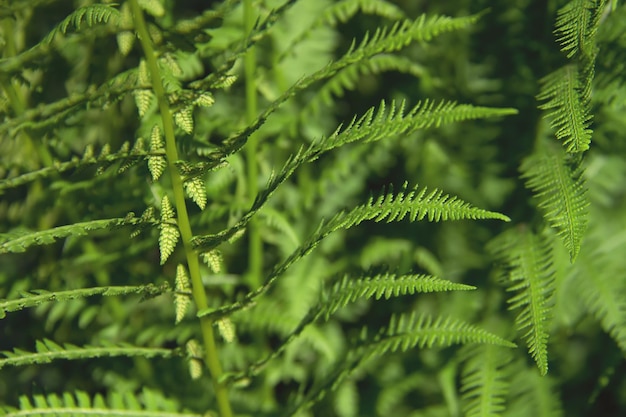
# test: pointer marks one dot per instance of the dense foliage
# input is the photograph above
(313, 207)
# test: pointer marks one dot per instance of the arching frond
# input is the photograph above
(147, 403)
(384, 285)
(573, 26)
(48, 351)
(34, 298)
(19, 241)
(382, 41)
(484, 382)
(529, 273)
(88, 16)
(416, 330)
(561, 193)
(374, 125)
(347, 78)
(124, 156)
(532, 395)
(568, 110)
(415, 204)
(343, 10)
(603, 292)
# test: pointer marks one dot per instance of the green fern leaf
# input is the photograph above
(372, 126)
(153, 7)
(157, 163)
(603, 293)
(147, 403)
(214, 260)
(384, 285)
(19, 241)
(169, 231)
(37, 297)
(181, 297)
(382, 41)
(416, 204)
(342, 11)
(485, 381)
(562, 197)
(197, 191)
(48, 351)
(348, 78)
(409, 331)
(573, 25)
(194, 355)
(531, 276)
(568, 112)
(90, 16)
(532, 394)
(184, 119)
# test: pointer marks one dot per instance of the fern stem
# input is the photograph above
(255, 248)
(199, 295)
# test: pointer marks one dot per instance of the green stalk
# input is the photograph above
(199, 295)
(255, 248)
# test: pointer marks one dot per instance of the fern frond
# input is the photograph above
(573, 25)
(568, 111)
(148, 403)
(34, 298)
(48, 351)
(19, 241)
(347, 78)
(382, 41)
(531, 276)
(416, 204)
(88, 16)
(383, 285)
(562, 197)
(603, 293)
(343, 10)
(341, 294)
(604, 299)
(417, 330)
(374, 125)
(532, 394)
(484, 382)
(125, 156)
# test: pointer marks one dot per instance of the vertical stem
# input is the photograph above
(199, 295)
(255, 249)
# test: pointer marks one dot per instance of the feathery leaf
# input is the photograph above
(562, 196)
(47, 351)
(34, 298)
(530, 275)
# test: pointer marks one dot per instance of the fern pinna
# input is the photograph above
(189, 258)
